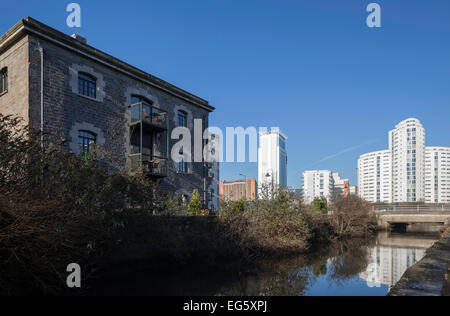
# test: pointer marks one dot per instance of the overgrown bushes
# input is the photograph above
(284, 224)
(57, 208)
(352, 217)
(270, 225)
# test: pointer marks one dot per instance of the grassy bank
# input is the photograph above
(57, 208)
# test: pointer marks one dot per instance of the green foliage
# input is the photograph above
(195, 206)
(239, 206)
(320, 205)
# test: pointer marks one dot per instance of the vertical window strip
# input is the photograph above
(3, 80)
(182, 119)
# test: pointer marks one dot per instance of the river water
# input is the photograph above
(353, 268)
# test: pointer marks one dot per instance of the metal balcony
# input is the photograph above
(151, 118)
(152, 166)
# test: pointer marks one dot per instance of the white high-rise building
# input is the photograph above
(375, 176)
(317, 184)
(437, 174)
(272, 160)
(407, 144)
(407, 172)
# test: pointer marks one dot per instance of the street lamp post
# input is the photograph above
(270, 175)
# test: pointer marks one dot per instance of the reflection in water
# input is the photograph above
(347, 268)
(389, 264)
(393, 256)
(354, 267)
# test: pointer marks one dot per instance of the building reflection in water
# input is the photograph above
(388, 264)
(389, 260)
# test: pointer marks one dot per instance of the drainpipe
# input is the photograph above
(205, 169)
(41, 50)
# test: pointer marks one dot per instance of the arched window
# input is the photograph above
(3, 80)
(85, 141)
(87, 85)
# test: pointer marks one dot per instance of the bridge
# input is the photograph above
(414, 219)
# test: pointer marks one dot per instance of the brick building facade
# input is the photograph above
(79, 90)
(238, 190)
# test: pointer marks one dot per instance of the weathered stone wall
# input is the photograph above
(65, 111)
(15, 101)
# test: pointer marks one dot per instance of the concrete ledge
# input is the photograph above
(428, 276)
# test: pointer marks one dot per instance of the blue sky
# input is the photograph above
(313, 68)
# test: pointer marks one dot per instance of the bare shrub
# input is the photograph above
(352, 217)
(276, 224)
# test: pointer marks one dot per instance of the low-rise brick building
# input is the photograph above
(238, 190)
(61, 85)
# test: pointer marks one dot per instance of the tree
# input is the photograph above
(320, 205)
(195, 206)
(352, 216)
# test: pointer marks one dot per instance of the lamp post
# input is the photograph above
(270, 175)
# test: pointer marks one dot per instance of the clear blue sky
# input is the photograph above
(313, 67)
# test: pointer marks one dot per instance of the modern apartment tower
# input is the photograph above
(437, 174)
(408, 171)
(324, 183)
(407, 144)
(317, 184)
(272, 160)
(375, 176)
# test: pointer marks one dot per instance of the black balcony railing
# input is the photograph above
(152, 166)
(148, 116)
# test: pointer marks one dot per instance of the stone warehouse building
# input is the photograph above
(60, 85)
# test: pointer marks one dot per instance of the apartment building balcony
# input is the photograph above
(146, 122)
(152, 166)
(149, 117)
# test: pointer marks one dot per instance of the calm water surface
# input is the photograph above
(356, 268)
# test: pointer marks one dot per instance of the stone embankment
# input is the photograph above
(430, 276)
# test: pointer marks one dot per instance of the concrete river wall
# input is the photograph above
(430, 276)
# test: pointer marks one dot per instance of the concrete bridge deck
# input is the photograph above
(412, 218)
